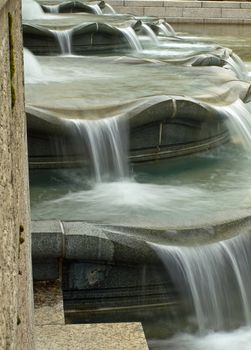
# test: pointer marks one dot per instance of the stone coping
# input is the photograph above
(48, 303)
(225, 12)
(51, 333)
(103, 336)
(82, 240)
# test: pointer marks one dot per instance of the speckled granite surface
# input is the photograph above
(48, 300)
(52, 334)
(105, 336)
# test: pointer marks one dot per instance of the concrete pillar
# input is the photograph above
(16, 303)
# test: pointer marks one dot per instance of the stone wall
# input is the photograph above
(15, 261)
(225, 12)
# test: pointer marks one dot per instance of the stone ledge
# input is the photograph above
(188, 11)
(105, 336)
(48, 303)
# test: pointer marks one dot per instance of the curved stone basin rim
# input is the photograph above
(92, 242)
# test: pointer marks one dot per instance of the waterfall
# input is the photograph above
(237, 66)
(52, 8)
(32, 68)
(150, 33)
(97, 10)
(215, 278)
(64, 39)
(239, 122)
(110, 8)
(106, 142)
(31, 10)
(166, 29)
(132, 38)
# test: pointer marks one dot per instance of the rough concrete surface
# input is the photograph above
(15, 259)
(227, 12)
(105, 336)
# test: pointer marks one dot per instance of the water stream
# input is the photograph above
(132, 38)
(150, 33)
(52, 8)
(32, 10)
(213, 279)
(106, 141)
(64, 39)
(216, 277)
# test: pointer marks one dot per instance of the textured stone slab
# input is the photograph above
(109, 336)
(137, 11)
(221, 4)
(163, 12)
(230, 12)
(85, 241)
(144, 3)
(116, 2)
(236, 13)
(202, 12)
(48, 303)
(185, 4)
(246, 5)
(47, 239)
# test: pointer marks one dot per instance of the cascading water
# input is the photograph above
(32, 10)
(64, 38)
(106, 141)
(97, 10)
(132, 38)
(215, 278)
(110, 8)
(150, 33)
(166, 29)
(237, 66)
(239, 122)
(52, 8)
(32, 69)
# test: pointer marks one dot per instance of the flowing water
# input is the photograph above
(64, 39)
(239, 121)
(32, 69)
(110, 8)
(167, 29)
(52, 8)
(132, 38)
(32, 10)
(107, 145)
(151, 34)
(97, 10)
(214, 279)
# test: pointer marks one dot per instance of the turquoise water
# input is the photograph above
(196, 190)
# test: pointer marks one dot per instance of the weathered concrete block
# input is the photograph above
(143, 3)
(236, 13)
(245, 5)
(183, 4)
(116, 2)
(202, 12)
(136, 11)
(15, 256)
(163, 12)
(221, 4)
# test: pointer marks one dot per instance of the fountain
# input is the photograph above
(139, 143)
